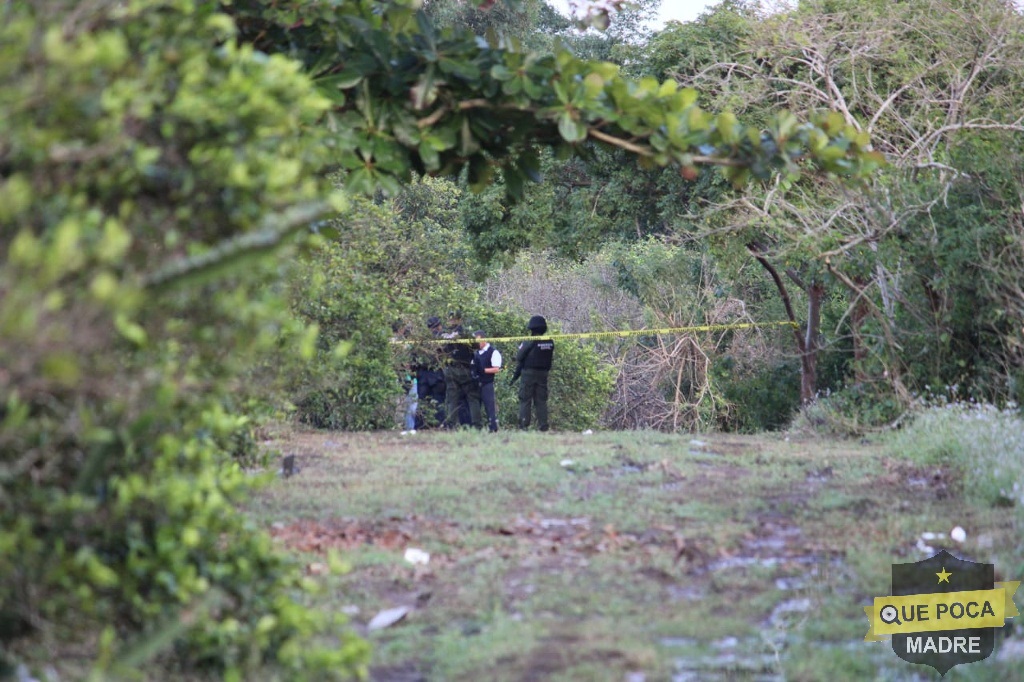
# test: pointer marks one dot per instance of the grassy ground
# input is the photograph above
(623, 556)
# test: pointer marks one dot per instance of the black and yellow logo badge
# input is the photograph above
(943, 611)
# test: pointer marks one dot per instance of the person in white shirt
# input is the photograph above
(487, 364)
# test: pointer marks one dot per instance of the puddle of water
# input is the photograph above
(726, 643)
(773, 543)
(564, 523)
(763, 562)
(786, 613)
(790, 584)
(730, 665)
(728, 658)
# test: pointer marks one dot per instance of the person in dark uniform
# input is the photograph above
(455, 326)
(459, 382)
(430, 384)
(486, 365)
(533, 361)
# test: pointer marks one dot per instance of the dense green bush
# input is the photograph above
(390, 261)
(145, 158)
(350, 383)
(851, 411)
(764, 400)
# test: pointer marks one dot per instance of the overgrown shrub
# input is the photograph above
(762, 400)
(351, 381)
(390, 261)
(147, 165)
(983, 445)
(667, 380)
(850, 411)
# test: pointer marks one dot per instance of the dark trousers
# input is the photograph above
(459, 385)
(432, 398)
(487, 398)
(533, 393)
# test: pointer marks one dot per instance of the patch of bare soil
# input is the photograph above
(320, 536)
(557, 652)
(917, 479)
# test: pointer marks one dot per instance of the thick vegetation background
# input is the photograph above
(214, 216)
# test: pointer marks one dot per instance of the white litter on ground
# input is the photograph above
(388, 617)
(417, 556)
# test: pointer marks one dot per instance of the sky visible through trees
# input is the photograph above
(677, 10)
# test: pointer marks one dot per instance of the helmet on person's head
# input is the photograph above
(433, 321)
(537, 325)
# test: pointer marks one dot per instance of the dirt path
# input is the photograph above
(619, 556)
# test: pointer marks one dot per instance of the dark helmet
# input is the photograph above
(433, 321)
(537, 325)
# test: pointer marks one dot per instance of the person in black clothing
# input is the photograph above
(486, 365)
(430, 384)
(533, 361)
(455, 327)
(459, 382)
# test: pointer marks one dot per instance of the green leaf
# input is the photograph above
(726, 124)
(593, 85)
(463, 69)
(686, 97)
(428, 154)
(342, 80)
(570, 129)
(468, 144)
(501, 72)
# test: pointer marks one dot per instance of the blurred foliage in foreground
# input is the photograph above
(136, 165)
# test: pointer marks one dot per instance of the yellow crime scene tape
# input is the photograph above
(627, 332)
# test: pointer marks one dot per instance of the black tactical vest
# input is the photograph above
(541, 355)
(481, 361)
(460, 353)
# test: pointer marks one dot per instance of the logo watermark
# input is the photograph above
(943, 611)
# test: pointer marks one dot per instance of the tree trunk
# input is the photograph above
(809, 348)
(858, 313)
(807, 344)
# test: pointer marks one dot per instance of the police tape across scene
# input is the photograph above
(627, 332)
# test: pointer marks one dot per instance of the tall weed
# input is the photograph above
(982, 443)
